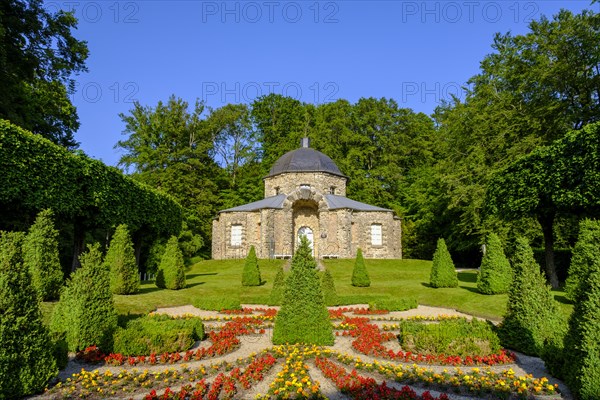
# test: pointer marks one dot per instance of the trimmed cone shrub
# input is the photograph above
(120, 259)
(26, 352)
(443, 273)
(586, 250)
(303, 317)
(86, 311)
(171, 271)
(251, 272)
(360, 277)
(155, 253)
(582, 343)
(495, 274)
(40, 254)
(328, 287)
(532, 316)
(278, 288)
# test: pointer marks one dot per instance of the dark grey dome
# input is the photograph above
(304, 159)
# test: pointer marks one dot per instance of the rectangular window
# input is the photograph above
(236, 235)
(376, 239)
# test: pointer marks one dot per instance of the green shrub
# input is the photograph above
(155, 253)
(303, 317)
(582, 343)
(278, 287)
(251, 272)
(26, 359)
(394, 304)
(120, 260)
(454, 338)
(157, 334)
(532, 316)
(171, 272)
(585, 251)
(40, 255)
(218, 304)
(360, 277)
(328, 288)
(86, 311)
(60, 349)
(495, 274)
(443, 273)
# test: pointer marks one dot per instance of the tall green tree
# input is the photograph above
(38, 57)
(26, 359)
(120, 261)
(443, 274)
(586, 250)
(170, 147)
(86, 310)
(532, 317)
(303, 317)
(40, 255)
(495, 274)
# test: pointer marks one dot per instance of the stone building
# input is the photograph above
(305, 194)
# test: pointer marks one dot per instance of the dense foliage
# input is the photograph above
(582, 342)
(83, 193)
(39, 58)
(26, 359)
(443, 274)
(495, 273)
(171, 271)
(120, 261)
(360, 276)
(328, 287)
(532, 317)
(303, 317)
(586, 250)
(454, 338)
(278, 287)
(157, 334)
(40, 255)
(251, 272)
(86, 310)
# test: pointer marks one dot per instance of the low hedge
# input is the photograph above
(453, 338)
(157, 334)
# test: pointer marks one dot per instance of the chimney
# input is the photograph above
(305, 142)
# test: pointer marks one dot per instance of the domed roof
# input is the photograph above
(304, 159)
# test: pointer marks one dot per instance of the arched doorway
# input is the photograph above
(308, 233)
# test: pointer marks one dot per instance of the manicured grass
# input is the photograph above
(218, 280)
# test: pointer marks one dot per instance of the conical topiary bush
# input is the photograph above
(278, 287)
(495, 273)
(584, 253)
(251, 272)
(303, 317)
(171, 270)
(328, 287)
(360, 277)
(443, 273)
(120, 259)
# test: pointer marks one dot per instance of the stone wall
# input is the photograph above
(288, 182)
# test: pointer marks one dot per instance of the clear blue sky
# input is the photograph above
(417, 52)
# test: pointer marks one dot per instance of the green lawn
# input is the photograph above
(214, 280)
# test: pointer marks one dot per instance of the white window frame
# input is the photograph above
(236, 235)
(376, 235)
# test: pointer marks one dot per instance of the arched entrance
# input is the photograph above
(308, 233)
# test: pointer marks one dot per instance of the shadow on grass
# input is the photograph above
(426, 284)
(562, 299)
(467, 277)
(470, 289)
(192, 276)
(123, 319)
(191, 285)
(149, 289)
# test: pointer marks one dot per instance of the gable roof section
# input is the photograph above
(336, 202)
(269, 202)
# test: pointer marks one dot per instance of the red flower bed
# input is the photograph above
(359, 387)
(369, 339)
